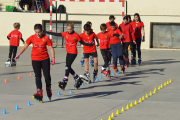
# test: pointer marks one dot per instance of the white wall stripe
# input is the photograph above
(50, 8)
(50, 27)
(122, 9)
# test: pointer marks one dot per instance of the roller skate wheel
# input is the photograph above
(41, 101)
(49, 99)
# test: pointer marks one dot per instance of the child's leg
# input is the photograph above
(114, 53)
(138, 42)
(86, 61)
(119, 50)
(14, 52)
(46, 72)
(37, 65)
(95, 63)
(104, 53)
(70, 60)
(109, 55)
(10, 52)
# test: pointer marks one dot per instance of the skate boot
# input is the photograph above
(139, 61)
(95, 75)
(39, 95)
(103, 71)
(62, 84)
(85, 78)
(126, 62)
(82, 61)
(122, 69)
(13, 63)
(115, 68)
(49, 93)
(133, 61)
(108, 72)
(91, 61)
(8, 62)
(78, 82)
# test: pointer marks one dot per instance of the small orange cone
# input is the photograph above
(30, 73)
(19, 77)
(5, 80)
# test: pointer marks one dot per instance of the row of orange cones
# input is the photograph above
(19, 77)
(140, 99)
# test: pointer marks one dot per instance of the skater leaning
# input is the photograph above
(40, 60)
(71, 38)
(138, 26)
(88, 37)
(128, 36)
(13, 38)
(104, 38)
(116, 47)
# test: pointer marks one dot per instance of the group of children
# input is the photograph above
(113, 41)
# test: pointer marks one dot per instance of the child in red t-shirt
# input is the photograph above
(116, 47)
(91, 58)
(40, 60)
(128, 37)
(104, 38)
(138, 26)
(13, 38)
(88, 37)
(71, 38)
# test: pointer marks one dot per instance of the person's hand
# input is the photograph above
(121, 36)
(17, 57)
(134, 42)
(143, 40)
(53, 61)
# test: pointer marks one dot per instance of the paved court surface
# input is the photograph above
(97, 100)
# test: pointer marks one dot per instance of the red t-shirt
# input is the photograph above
(15, 35)
(88, 39)
(128, 32)
(104, 40)
(137, 27)
(39, 50)
(109, 26)
(71, 42)
(115, 40)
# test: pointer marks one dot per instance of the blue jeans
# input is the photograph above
(117, 52)
(41, 3)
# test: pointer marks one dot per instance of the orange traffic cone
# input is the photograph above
(19, 77)
(30, 73)
(5, 80)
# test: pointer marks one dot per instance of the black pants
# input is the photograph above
(12, 50)
(69, 60)
(137, 47)
(45, 66)
(22, 2)
(105, 53)
(125, 49)
(109, 55)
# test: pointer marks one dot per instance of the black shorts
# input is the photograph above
(94, 55)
